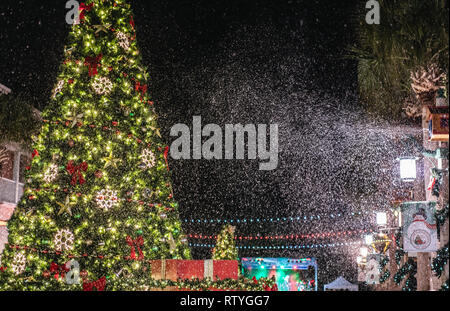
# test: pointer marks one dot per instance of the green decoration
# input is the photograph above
(225, 248)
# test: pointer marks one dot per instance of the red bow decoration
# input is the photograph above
(35, 153)
(58, 270)
(141, 88)
(2, 269)
(166, 153)
(93, 63)
(83, 7)
(99, 285)
(254, 280)
(132, 22)
(75, 171)
(138, 242)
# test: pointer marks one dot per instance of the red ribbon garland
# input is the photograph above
(35, 153)
(99, 285)
(83, 7)
(141, 88)
(93, 63)
(132, 22)
(138, 242)
(166, 153)
(75, 171)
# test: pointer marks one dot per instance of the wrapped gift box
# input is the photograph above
(173, 269)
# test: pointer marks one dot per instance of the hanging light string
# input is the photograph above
(308, 246)
(286, 237)
(303, 218)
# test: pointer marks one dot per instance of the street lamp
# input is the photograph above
(359, 260)
(364, 251)
(381, 219)
(368, 239)
(407, 168)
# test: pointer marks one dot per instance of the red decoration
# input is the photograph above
(75, 171)
(70, 81)
(58, 270)
(35, 153)
(141, 88)
(173, 269)
(138, 242)
(83, 7)
(99, 285)
(93, 63)
(132, 22)
(2, 269)
(166, 153)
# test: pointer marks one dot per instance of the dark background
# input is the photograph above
(234, 61)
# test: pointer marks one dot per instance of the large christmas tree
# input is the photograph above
(98, 190)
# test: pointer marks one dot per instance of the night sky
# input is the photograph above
(239, 61)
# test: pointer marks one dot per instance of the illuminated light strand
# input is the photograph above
(59, 253)
(105, 128)
(284, 246)
(140, 202)
(285, 237)
(278, 219)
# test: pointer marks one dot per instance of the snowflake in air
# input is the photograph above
(102, 85)
(148, 158)
(63, 240)
(50, 173)
(124, 42)
(19, 263)
(106, 199)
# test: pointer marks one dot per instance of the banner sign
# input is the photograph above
(419, 226)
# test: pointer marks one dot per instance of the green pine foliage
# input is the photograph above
(98, 189)
(225, 248)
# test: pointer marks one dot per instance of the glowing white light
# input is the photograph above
(407, 169)
(381, 218)
(369, 239)
(363, 251)
(358, 259)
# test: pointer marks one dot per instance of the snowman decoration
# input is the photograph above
(421, 235)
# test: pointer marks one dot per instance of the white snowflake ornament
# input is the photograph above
(102, 85)
(148, 158)
(50, 173)
(124, 42)
(58, 88)
(106, 199)
(63, 240)
(19, 263)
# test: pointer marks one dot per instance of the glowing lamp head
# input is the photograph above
(364, 251)
(407, 168)
(381, 218)
(368, 239)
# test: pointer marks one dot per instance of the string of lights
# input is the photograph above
(303, 218)
(309, 246)
(285, 237)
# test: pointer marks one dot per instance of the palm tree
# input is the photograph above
(410, 42)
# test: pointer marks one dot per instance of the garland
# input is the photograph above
(386, 273)
(444, 286)
(440, 261)
(408, 269)
(441, 216)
